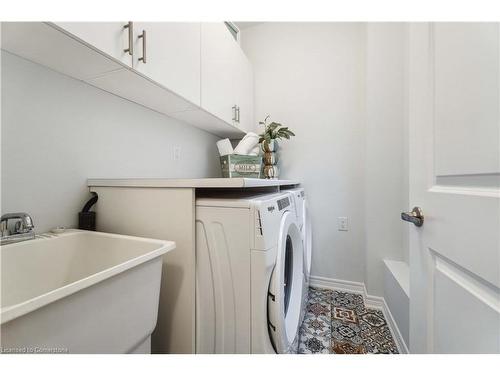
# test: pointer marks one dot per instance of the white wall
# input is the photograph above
(311, 77)
(397, 295)
(386, 169)
(341, 88)
(57, 132)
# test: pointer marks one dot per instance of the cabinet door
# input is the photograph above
(219, 61)
(172, 56)
(244, 93)
(111, 38)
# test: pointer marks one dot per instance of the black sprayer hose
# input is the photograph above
(90, 202)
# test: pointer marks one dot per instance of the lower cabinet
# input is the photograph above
(128, 210)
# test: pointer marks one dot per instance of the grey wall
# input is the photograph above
(341, 88)
(311, 77)
(58, 131)
(386, 170)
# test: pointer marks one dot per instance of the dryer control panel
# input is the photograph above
(283, 203)
(267, 218)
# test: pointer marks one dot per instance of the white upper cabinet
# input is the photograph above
(194, 72)
(169, 54)
(244, 93)
(50, 45)
(218, 71)
(112, 38)
(172, 50)
(226, 77)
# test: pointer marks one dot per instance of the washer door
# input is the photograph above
(285, 289)
(307, 238)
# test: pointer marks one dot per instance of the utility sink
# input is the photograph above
(80, 292)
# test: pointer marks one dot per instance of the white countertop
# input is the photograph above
(190, 182)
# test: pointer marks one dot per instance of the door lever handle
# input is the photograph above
(415, 216)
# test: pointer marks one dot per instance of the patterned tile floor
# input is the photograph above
(339, 323)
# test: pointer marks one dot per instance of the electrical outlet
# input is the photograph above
(176, 153)
(342, 223)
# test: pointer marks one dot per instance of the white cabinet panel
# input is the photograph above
(129, 85)
(208, 122)
(109, 37)
(172, 56)
(244, 92)
(47, 45)
(226, 77)
(219, 60)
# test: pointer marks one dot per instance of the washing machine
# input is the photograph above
(249, 274)
(298, 198)
(302, 213)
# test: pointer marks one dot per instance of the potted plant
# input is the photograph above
(268, 140)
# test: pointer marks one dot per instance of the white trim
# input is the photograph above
(373, 302)
(479, 192)
(396, 333)
(341, 285)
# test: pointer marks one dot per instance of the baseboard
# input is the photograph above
(396, 333)
(341, 285)
(373, 302)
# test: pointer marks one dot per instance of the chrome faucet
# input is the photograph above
(23, 229)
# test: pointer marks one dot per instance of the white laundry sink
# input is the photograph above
(80, 292)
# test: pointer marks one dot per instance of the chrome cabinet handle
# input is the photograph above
(143, 36)
(415, 216)
(130, 27)
(238, 114)
(235, 109)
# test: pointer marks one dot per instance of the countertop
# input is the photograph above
(190, 182)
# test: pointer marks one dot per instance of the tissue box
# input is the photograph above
(241, 166)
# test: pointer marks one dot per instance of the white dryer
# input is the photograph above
(299, 200)
(301, 209)
(249, 275)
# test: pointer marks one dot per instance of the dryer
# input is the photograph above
(303, 218)
(249, 274)
(302, 213)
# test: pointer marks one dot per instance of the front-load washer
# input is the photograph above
(302, 213)
(249, 274)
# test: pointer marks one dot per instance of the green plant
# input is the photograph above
(274, 131)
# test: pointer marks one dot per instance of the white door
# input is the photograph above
(219, 75)
(454, 178)
(109, 37)
(170, 55)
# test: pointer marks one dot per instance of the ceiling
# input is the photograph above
(245, 25)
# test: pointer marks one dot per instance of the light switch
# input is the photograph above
(342, 223)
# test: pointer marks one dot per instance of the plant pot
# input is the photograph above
(271, 171)
(269, 158)
(269, 146)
